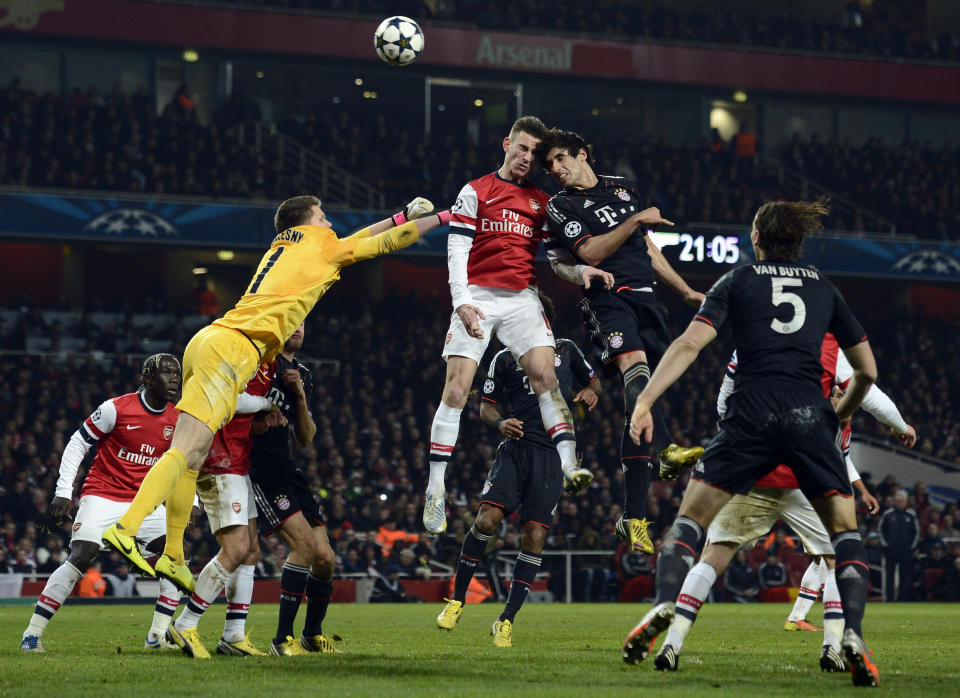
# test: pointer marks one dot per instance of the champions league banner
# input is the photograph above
(185, 222)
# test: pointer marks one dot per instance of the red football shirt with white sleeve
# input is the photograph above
(506, 221)
(230, 452)
(130, 437)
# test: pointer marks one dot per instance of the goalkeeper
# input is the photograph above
(303, 262)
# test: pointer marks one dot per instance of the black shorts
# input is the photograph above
(626, 321)
(763, 428)
(525, 477)
(280, 493)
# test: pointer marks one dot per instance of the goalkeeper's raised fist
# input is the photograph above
(414, 210)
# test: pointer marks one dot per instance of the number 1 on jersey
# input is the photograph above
(266, 267)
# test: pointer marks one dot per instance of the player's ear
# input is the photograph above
(506, 144)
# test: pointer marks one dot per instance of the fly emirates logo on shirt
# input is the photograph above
(510, 222)
(145, 457)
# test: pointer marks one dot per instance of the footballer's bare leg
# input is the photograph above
(537, 363)
(443, 437)
(319, 592)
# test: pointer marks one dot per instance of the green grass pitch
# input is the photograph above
(559, 650)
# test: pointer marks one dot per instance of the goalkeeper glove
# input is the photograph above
(416, 208)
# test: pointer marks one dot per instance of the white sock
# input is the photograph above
(696, 587)
(558, 421)
(56, 591)
(809, 591)
(239, 595)
(832, 612)
(209, 585)
(167, 601)
(443, 437)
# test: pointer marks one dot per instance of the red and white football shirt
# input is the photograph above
(131, 437)
(230, 452)
(506, 221)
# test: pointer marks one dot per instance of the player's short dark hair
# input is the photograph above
(151, 367)
(549, 309)
(782, 225)
(568, 141)
(530, 125)
(294, 212)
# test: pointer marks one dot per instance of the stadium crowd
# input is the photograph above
(887, 28)
(46, 141)
(374, 391)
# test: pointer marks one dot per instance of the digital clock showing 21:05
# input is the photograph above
(699, 247)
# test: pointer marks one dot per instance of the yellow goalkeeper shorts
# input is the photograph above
(217, 365)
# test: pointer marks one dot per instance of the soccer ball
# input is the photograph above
(398, 40)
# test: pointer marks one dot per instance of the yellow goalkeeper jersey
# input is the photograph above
(295, 272)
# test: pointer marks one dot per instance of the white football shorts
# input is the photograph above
(96, 514)
(516, 317)
(227, 499)
(749, 516)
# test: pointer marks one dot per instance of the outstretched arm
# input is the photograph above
(668, 275)
(411, 212)
(393, 239)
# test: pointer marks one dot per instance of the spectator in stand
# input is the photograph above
(22, 563)
(899, 535)
(388, 589)
(947, 528)
(92, 584)
(740, 579)
(352, 564)
(205, 300)
(5, 566)
(773, 579)
(777, 542)
(947, 587)
(120, 582)
(931, 539)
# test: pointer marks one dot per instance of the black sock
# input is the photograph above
(524, 573)
(319, 591)
(661, 433)
(852, 575)
(474, 545)
(636, 476)
(680, 548)
(634, 459)
(293, 580)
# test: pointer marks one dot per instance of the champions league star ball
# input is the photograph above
(398, 40)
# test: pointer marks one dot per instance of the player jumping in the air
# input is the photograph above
(525, 475)
(497, 224)
(130, 433)
(304, 260)
(775, 497)
(289, 508)
(779, 310)
(600, 220)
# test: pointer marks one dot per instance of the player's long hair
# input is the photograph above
(569, 141)
(151, 367)
(782, 225)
